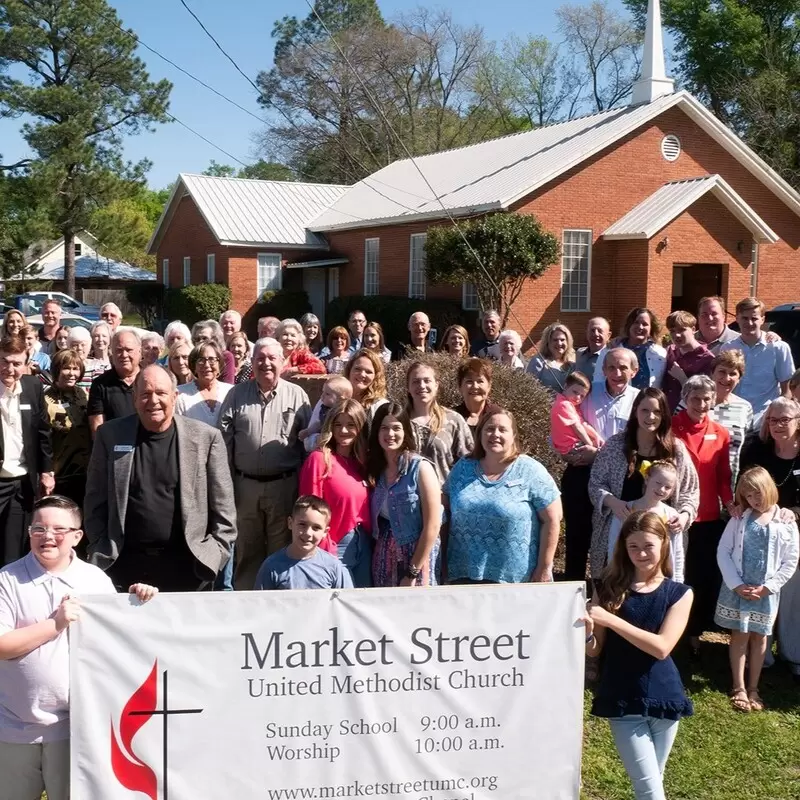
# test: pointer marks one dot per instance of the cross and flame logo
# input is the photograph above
(130, 770)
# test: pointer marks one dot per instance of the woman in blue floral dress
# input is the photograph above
(505, 510)
(757, 555)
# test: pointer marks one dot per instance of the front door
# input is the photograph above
(314, 284)
(691, 282)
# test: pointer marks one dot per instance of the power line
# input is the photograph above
(207, 141)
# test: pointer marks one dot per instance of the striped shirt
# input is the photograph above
(736, 416)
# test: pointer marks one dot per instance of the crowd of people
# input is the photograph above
(189, 462)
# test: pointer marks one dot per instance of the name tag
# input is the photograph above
(710, 437)
(65, 405)
(24, 406)
(796, 472)
(123, 448)
(514, 483)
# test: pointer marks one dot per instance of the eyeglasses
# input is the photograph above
(40, 531)
(781, 421)
(208, 360)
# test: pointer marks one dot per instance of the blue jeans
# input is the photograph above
(355, 552)
(224, 581)
(644, 744)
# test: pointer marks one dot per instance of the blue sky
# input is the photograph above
(243, 28)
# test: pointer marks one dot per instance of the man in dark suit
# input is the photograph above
(26, 455)
(159, 494)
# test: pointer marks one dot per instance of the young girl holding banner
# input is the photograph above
(637, 616)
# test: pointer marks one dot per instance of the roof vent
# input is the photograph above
(671, 147)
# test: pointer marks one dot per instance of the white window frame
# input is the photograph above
(165, 272)
(78, 249)
(187, 270)
(586, 305)
(414, 280)
(469, 297)
(211, 268)
(372, 261)
(275, 283)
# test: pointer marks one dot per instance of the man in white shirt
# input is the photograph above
(26, 454)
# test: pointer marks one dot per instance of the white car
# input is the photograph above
(70, 320)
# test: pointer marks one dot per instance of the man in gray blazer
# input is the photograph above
(159, 495)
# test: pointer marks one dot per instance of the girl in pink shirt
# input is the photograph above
(568, 429)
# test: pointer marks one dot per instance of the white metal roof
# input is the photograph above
(665, 204)
(243, 212)
(495, 174)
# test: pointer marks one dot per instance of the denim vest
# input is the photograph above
(404, 502)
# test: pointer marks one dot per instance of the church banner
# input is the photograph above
(451, 693)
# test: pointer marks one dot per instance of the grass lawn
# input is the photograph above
(719, 754)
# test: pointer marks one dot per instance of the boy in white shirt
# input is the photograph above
(37, 605)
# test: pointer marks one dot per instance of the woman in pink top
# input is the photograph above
(334, 472)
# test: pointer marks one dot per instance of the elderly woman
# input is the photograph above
(80, 341)
(373, 339)
(178, 362)
(708, 444)
(335, 472)
(101, 344)
(776, 447)
(556, 358)
(510, 349)
(177, 332)
(152, 345)
(208, 330)
(13, 322)
(641, 333)
(475, 384)
(312, 330)
(441, 435)
(617, 475)
(202, 398)
(406, 504)
(505, 510)
(65, 407)
(734, 413)
(366, 372)
(239, 346)
(298, 359)
(337, 353)
(456, 342)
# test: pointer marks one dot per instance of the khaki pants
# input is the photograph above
(261, 511)
(27, 770)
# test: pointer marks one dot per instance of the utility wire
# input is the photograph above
(207, 141)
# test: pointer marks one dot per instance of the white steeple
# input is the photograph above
(654, 81)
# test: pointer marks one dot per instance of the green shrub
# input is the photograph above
(147, 299)
(512, 389)
(191, 304)
(393, 313)
(281, 304)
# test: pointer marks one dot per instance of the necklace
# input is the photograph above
(788, 474)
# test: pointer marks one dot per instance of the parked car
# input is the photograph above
(70, 320)
(785, 321)
(31, 303)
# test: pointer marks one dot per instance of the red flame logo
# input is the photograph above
(128, 768)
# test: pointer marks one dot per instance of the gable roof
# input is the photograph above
(34, 255)
(493, 175)
(245, 213)
(670, 201)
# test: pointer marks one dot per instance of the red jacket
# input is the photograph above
(708, 444)
(305, 361)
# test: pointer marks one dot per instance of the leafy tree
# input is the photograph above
(261, 170)
(83, 90)
(741, 58)
(512, 249)
(216, 170)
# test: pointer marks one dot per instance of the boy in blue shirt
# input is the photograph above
(302, 565)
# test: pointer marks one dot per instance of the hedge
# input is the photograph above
(191, 304)
(393, 313)
(512, 389)
(281, 304)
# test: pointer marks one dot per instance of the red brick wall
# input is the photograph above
(189, 235)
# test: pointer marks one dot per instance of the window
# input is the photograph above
(211, 268)
(417, 280)
(165, 272)
(269, 273)
(469, 297)
(576, 270)
(187, 270)
(371, 266)
(78, 249)
(333, 283)
(671, 147)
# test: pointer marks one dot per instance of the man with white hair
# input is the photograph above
(491, 327)
(260, 420)
(419, 327)
(111, 314)
(111, 395)
(231, 322)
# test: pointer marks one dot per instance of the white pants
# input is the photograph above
(27, 770)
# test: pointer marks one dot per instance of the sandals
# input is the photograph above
(756, 703)
(740, 701)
